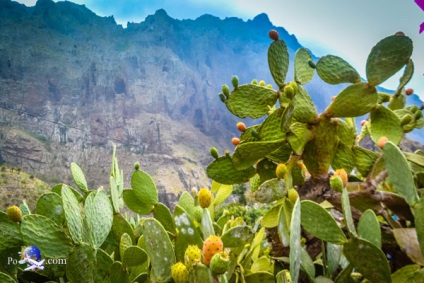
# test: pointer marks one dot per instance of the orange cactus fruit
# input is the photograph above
(211, 246)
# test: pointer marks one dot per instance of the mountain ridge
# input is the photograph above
(74, 83)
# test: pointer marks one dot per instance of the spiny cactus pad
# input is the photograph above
(303, 72)
(335, 70)
(251, 101)
(387, 57)
(50, 205)
(223, 171)
(355, 100)
(9, 233)
(72, 214)
(384, 122)
(278, 61)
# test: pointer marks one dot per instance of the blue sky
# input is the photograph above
(340, 27)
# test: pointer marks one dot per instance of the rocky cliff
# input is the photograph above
(72, 84)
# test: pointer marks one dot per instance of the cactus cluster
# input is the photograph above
(336, 212)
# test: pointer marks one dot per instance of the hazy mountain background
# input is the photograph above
(72, 84)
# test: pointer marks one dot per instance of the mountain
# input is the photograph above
(73, 84)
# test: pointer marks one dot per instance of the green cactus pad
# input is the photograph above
(103, 264)
(373, 266)
(24, 208)
(144, 189)
(266, 170)
(398, 101)
(79, 177)
(72, 214)
(206, 224)
(114, 194)
(261, 276)
(81, 264)
(124, 244)
(317, 221)
(407, 75)
(4, 278)
(186, 202)
(364, 159)
(369, 228)
(295, 247)
(305, 111)
(400, 174)
(58, 190)
(307, 264)
(270, 191)
(251, 101)
(287, 117)
(407, 273)
(278, 61)
(346, 133)
(418, 210)
(162, 214)
(270, 128)
(355, 100)
(303, 72)
(318, 153)
(333, 255)
(347, 212)
(50, 205)
(135, 204)
(251, 134)
(387, 57)
(271, 217)
(222, 194)
(134, 256)
(384, 122)
(200, 273)
(159, 249)
(223, 171)
(282, 154)
(335, 70)
(249, 153)
(9, 233)
(344, 158)
(120, 226)
(53, 243)
(383, 97)
(188, 233)
(236, 236)
(99, 216)
(118, 274)
(299, 136)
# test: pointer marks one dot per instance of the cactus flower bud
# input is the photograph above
(293, 195)
(222, 97)
(137, 166)
(336, 183)
(281, 170)
(219, 263)
(214, 152)
(226, 91)
(235, 81)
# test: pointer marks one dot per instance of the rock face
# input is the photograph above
(73, 84)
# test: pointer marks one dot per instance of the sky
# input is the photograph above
(345, 28)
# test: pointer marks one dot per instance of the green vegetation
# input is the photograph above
(370, 229)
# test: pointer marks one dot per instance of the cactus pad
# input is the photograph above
(303, 72)
(72, 214)
(373, 266)
(270, 191)
(387, 57)
(99, 216)
(159, 249)
(9, 233)
(251, 101)
(355, 100)
(317, 221)
(46, 235)
(164, 216)
(270, 128)
(369, 228)
(299, 136)
(278, 61)
(335, 70)
(144, 189)
(50, 205)
(295, 247)
(79, 177)
(223, 171)
(305, 111)
(81, 264)
(384, 122)
(247, 154)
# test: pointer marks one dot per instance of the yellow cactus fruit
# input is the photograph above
(14, 213)
(281, 170)
(343, 175)
(204, 197)
(179, 273)
(293, 195)
(192, 255)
